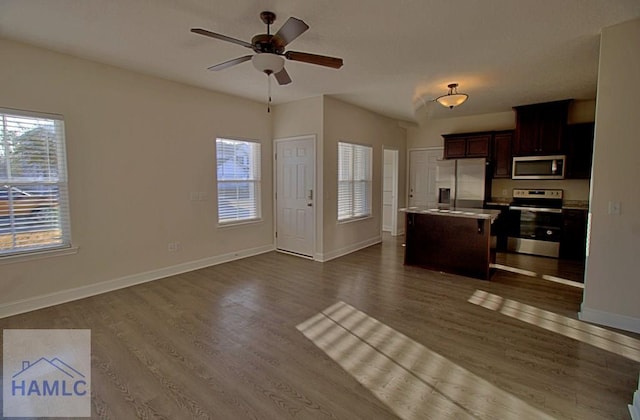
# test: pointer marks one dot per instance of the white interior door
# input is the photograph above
(390, 192)
(295, 195)
(387, 191)
(422, 177)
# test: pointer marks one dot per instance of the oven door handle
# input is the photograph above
(535, 209)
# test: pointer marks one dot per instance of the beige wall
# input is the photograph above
(573, 189)
(298, 118)
(345, 122)
(137, 146)
(429, 133)
(301, 118)
(612, 285)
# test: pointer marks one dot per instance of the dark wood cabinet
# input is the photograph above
(467, 145)
(501, 156)
(573, 238)
(453, 244)
(455, 148)
(499, 227)
(540, 128)
(478, 146)
(579, 150)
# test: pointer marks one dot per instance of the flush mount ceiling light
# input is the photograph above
(268, 63)
(452, 98)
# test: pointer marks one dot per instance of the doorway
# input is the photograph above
(390, 192)
(295, 195)
(422, 177)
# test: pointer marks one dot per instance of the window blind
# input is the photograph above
(238, 171)
(34, 209)
(354, 181)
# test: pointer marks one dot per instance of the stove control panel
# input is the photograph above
(541, 194)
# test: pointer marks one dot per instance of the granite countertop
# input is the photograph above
(500, 201)
(456, 212)
(575, 204)
(566, 204)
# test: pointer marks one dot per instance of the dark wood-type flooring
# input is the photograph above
(222, 342)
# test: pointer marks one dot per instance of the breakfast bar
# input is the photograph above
(456, 241)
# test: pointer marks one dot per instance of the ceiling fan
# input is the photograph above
(270, 49)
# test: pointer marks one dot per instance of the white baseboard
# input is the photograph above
(322, 257)
(63, 296)
(609, 319)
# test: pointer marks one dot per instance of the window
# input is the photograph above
(354, 181)
(34, 211)
(238, 169)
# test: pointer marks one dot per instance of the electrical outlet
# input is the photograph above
(198, 196)
(614, 208)
(505, 192)
(173, 246)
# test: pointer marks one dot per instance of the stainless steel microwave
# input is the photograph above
(538, 167)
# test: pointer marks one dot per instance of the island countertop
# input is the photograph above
(456, 212)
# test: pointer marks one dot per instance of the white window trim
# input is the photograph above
(38, 254)
(43, 251)
(258, 182)
(369, 181)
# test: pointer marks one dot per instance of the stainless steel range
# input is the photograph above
(535, 222)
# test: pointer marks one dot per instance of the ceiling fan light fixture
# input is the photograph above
(268, 63)
(452, 98)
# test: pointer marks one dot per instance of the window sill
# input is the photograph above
(239, 223)
(354, 219)
(37, 255)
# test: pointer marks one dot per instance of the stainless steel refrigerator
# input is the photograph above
(461, 183)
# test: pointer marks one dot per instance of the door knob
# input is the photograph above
(309, 204)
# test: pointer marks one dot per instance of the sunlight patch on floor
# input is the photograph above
(602, 338)
(413, 381)
(534, 274)
(515, 270)
(563, 281)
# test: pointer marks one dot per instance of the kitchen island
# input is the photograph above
(455, 241)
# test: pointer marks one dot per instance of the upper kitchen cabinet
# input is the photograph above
(579, 150)
(466, 145)
(501, 154)
(540, 128)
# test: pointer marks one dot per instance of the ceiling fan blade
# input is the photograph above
(230, 63)
(282, 77)
(210, 34)
(321, 60)
(291, 29)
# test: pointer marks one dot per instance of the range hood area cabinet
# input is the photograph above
(540, 128)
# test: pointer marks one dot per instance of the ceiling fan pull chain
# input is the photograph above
(268, 93)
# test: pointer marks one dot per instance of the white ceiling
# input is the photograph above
(502, 52)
